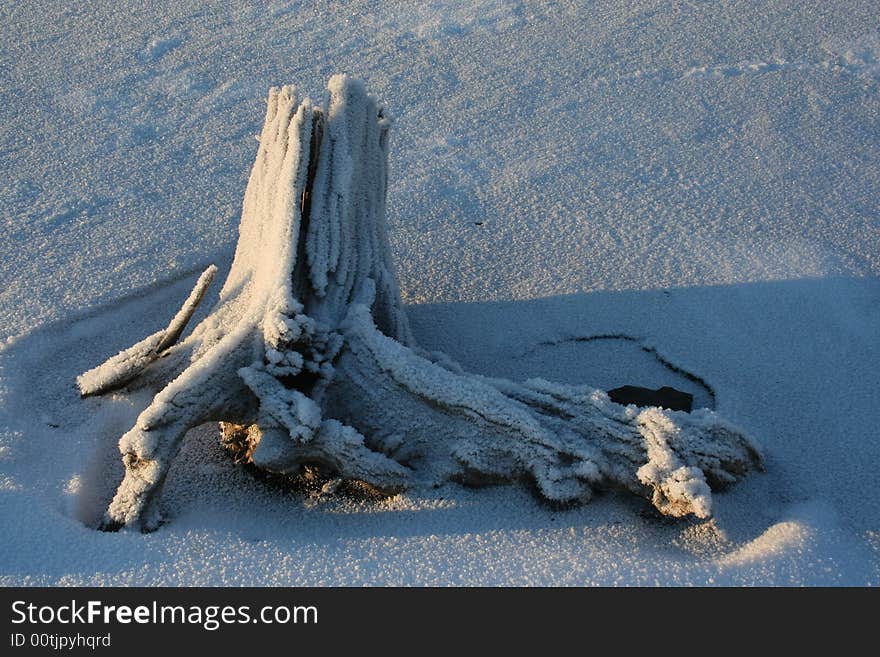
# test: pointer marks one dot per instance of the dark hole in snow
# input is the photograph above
(665, 397)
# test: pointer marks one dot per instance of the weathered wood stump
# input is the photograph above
(307, 359)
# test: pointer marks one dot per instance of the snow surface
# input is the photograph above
(580, 192)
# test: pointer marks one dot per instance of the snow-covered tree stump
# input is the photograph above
(307, 359)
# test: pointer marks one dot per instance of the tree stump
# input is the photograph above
(307, 359)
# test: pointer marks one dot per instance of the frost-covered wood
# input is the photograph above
(308, 355)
